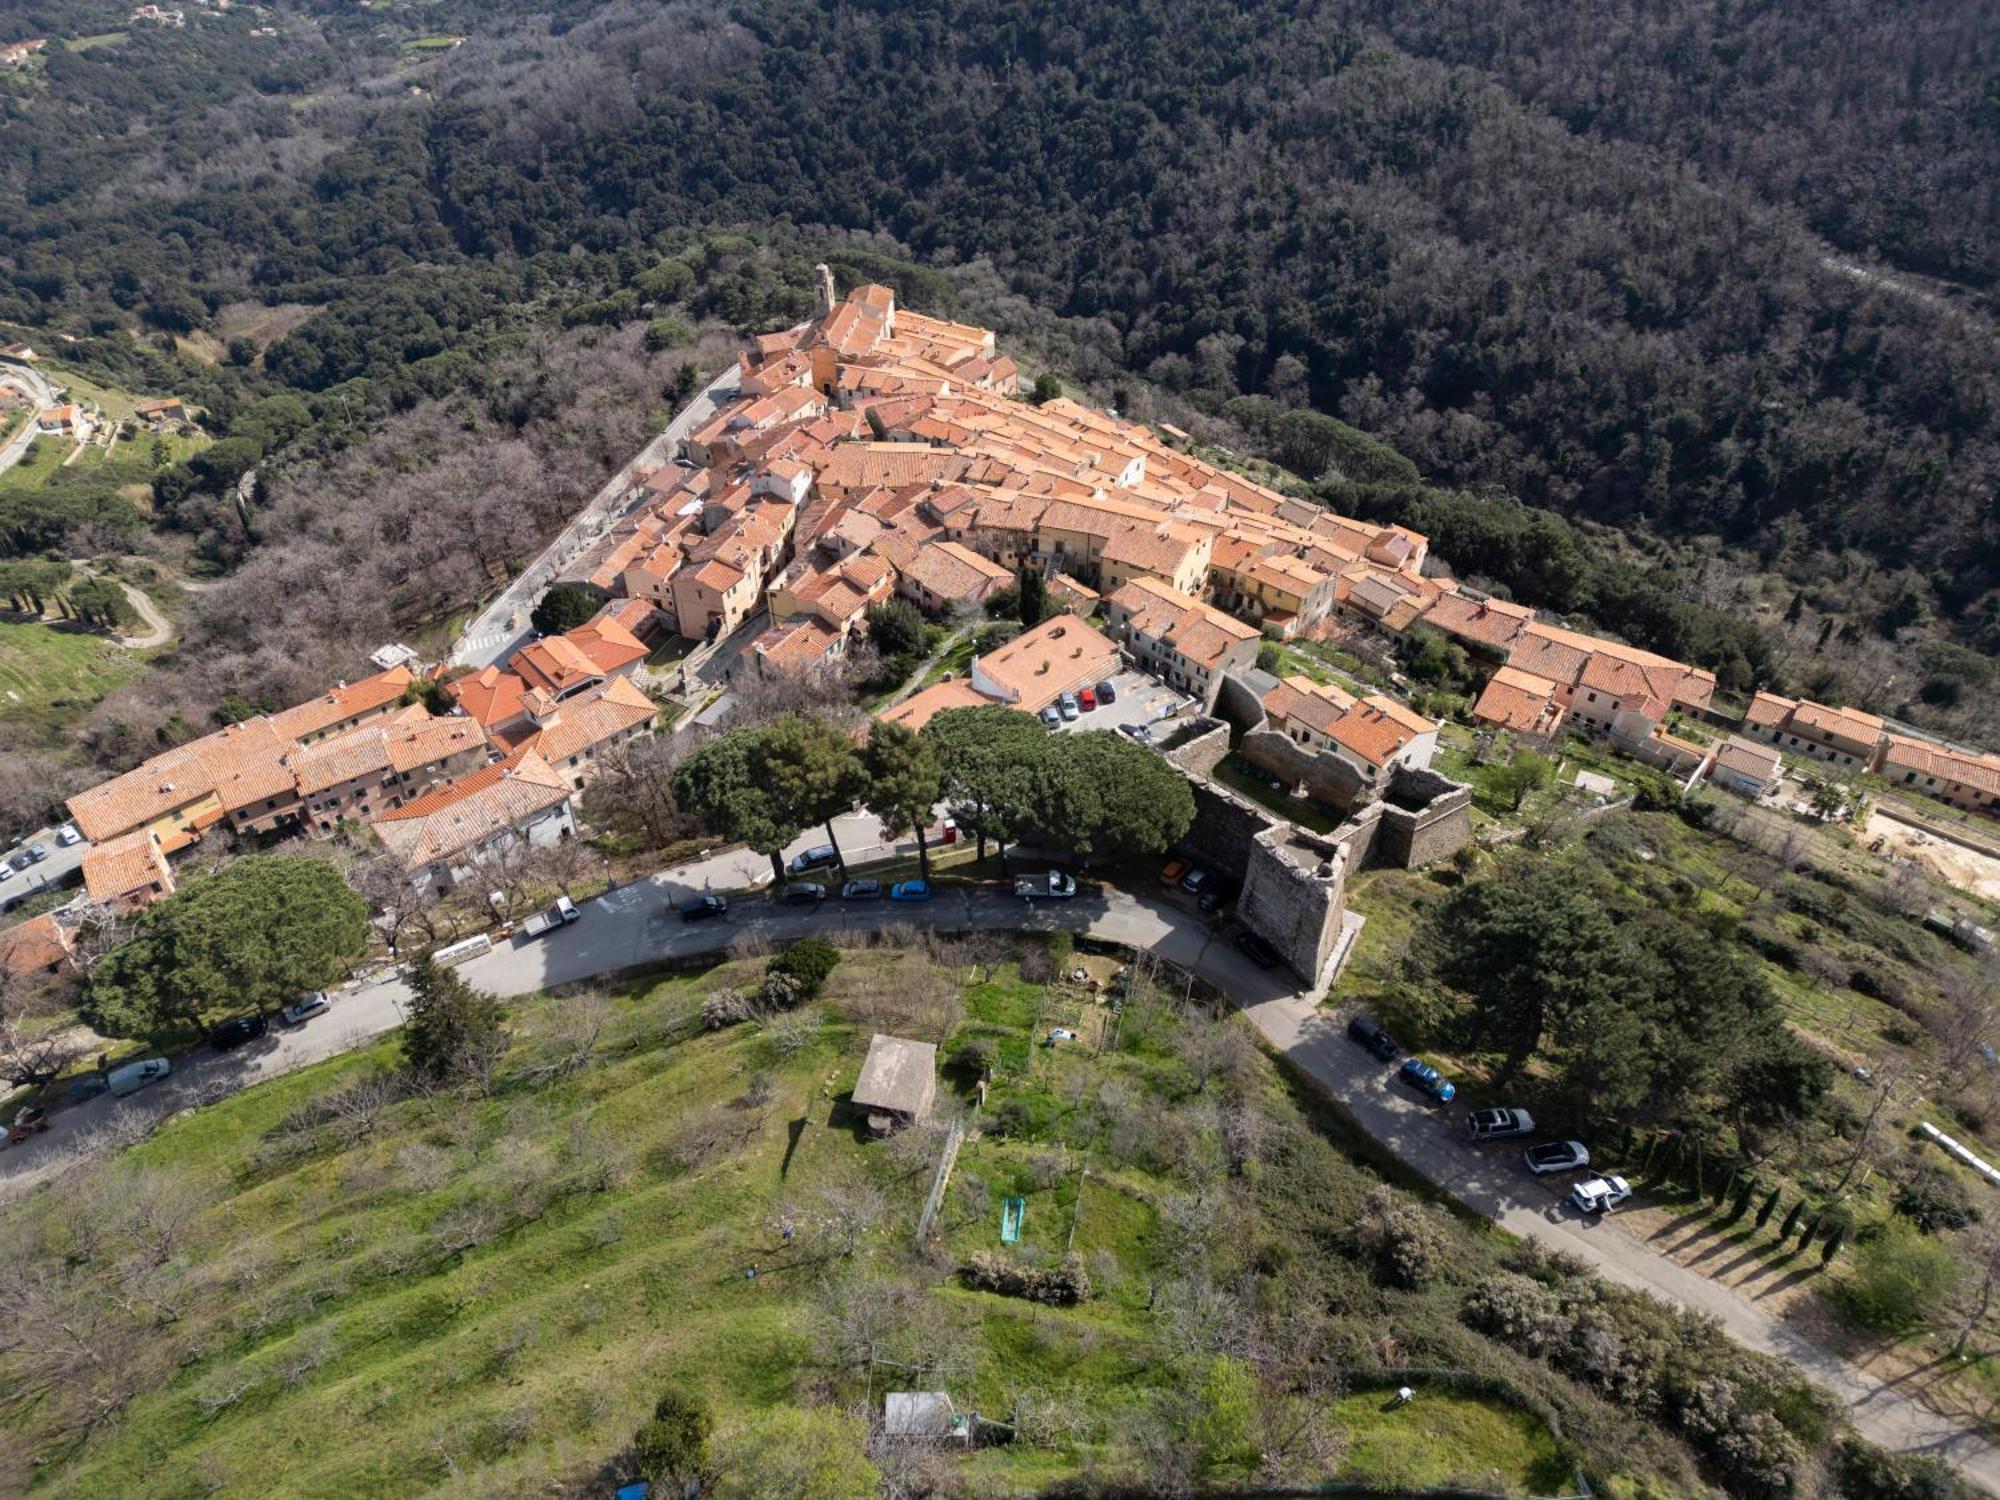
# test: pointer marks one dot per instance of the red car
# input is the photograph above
(1086, 700)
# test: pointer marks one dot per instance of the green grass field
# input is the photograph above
(484, 1295)
(55, 675)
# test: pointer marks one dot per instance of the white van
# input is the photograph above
(135, 1076)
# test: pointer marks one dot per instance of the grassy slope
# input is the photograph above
(332, 1350)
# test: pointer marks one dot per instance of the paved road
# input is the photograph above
(493, 636)
(638, 923)
(36, 385)
(62, 867)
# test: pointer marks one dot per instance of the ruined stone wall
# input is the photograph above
(1199, 747)
(1326, 777)
(1426, 817)
(1294, 897)
(1225, 829)
(1236, 704)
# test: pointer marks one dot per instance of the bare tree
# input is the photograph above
(632, 794)
(1983, 1241)
(35, 1043)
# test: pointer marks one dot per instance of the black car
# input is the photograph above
(235, 1031)
(1259, 952)
(1106, 693)
(701, 908)
(801, 892)
(1216, 894)
(1368, 1031)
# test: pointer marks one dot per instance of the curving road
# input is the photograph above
(34, 384)
(639, 923)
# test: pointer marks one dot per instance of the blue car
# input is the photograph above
(1427, 1080)
(910, 890)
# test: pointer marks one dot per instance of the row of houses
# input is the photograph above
(442, 791)
(1856, 741)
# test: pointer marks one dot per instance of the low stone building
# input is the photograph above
(898, 1082)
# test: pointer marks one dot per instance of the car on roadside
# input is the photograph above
(701, 908)
(1556, 1156)
(1172, 871)
(237, 1030)
(1058, 1034)
(300, 1011)
(1052, 717)
(1259, 952)
(1067, 704)
(20, 861)
(1599, 1195)
(1086, 699)
(819, 857)
(67, 835)
(1138, 732)
(1107, 692)
(135, 1076)
(87, 1087)
(1056, 885)
(1427, 1080)
(1197, 880)
(1498, 1124)
(1371, 1034)
(6, 872)
(1216, 894)
(861, 890)
(801, 892)
(910, 890)
(36, 853)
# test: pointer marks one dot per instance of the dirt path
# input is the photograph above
(159, 629)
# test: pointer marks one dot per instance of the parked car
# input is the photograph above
(1427, 1080)
(1172, 871)
(27, 1121)
(1259, 952)
(87, 1087)
(1498, 1124)
(1371, 1034)
(237, 1030)
(135, 1076)
(1106, 692)
(1054, 886)
(37, 853)
(910, 890)
(1086, 699)
(1197, 880)
(1217, 894)
(1067, 703)
(801, 892)
(6, 872)
(318, 1003)
(1052, 717)
(1556, 1156)
(1138, 732)
(701, 908)
(1599, 1195)
(819, 857)
(67, 835)
(21, 861)
(861, 890)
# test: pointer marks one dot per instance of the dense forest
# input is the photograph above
(1716, 276)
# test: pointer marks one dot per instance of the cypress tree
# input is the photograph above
(1742, 1204)
(1791, 1221)
(1831, 1248)
(1770, 1207)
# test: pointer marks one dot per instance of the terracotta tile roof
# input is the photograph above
(1039, 665)
(41, 945)
(1979, 773)
(1518, 700)
(1488, 622)
(346, 702)
(1537, 652)
(951, 571)
(1768, 710)
(237, 765)
(1378, 727)
(798, 643)
(471, 809)
(914, 712)
(125, 865)
(555, 664)
(1848, 724)
(1748, 758)
(1300, 700)
(489, 695)
(1163, 549)
(585, 722)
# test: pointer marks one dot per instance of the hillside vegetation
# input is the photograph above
(344, 1282)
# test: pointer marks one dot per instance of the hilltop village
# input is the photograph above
(874, 453)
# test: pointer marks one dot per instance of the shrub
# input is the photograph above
(807, 963)
(1062, 1285)
(1934, 1200)
(726, 1007)
(1900, 1275)
(1400, 1238)
(1867, 1472)
(1519, 1312)
(672, 1448)
(1760, 1458)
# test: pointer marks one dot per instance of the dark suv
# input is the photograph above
(1368, 1031)
(701, 908)
(235, 1031)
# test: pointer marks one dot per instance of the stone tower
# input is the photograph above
(823, 288)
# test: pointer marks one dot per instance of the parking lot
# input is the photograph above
(60, 866)
(1140, 700)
